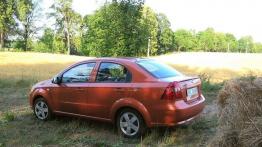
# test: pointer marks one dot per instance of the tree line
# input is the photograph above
(118, 28)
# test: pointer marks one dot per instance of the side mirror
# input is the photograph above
(57, 80)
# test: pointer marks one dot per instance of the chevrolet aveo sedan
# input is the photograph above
(132, 93)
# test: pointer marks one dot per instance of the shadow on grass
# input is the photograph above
(195, 133)
(26, 130)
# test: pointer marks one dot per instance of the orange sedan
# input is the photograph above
(133, 93)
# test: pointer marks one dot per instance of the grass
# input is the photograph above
(8, 116)
(220, 66)
(19, 127)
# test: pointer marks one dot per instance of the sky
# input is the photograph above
(239, 17)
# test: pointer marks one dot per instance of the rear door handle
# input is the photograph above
(119, 89)
(80, 89)
(134, 89)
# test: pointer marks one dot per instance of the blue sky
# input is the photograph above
(240, 17)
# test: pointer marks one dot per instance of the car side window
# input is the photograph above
(78, 74)
(113, 73)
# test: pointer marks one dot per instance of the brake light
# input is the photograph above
(178, 91)
(172, 92)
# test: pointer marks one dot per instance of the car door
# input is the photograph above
(112, 83)
(72, 93)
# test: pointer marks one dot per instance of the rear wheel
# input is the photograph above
(130, 123)
(41, 109)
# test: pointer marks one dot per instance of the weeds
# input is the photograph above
(207, 85)
(8, 116)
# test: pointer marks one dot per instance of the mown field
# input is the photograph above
(18, 126)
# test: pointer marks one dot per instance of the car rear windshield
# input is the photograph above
(158, 69)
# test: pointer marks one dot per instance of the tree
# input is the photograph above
(109, 31)
(206, 39)
(28, 13)
(148, 32)
(257, 48)
(231, 42)
(165, 36)
(184, 40)
(7, 21)
(68, 21)
(220, 42)
(84, 38)
(245, 44)
(48, 40)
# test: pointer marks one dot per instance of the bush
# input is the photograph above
(240, 114)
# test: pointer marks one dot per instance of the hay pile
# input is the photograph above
(240, 114)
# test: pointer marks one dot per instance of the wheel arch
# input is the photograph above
(130, 103)
(40, 93)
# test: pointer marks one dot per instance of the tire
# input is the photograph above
(130, 123)
(41, 110)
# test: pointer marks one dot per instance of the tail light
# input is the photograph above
(172, 92)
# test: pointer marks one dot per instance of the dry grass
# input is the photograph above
(39, 66)
(240, 116)
(18, 127)
(221, 66)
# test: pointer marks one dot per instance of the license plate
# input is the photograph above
(192, 93)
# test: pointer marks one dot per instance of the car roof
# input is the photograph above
(121, 59)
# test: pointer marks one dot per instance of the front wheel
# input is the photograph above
(130, 123)
(41, 109)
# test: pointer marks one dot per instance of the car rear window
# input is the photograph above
(158, 69)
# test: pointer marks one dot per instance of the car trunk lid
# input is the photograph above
(182, 87)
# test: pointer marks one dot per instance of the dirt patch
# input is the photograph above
(210, 110)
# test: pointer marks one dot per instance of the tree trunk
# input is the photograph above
(1, 40)
(67, 35)
(68, 42)
(26, 38)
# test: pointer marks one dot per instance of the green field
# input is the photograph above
(18, 126)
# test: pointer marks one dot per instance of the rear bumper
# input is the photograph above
(180, 112)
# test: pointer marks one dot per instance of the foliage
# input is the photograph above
(110, 33)
(165, 35)
(27, 13)
(257, 48)
(67, 22)
(149, 31)
(46, 42)
(7, 21)
(206, 39)
(184, 40)
(118, 28)
(245, 44)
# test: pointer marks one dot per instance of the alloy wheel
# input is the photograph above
(129, 123)
(41, 110)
